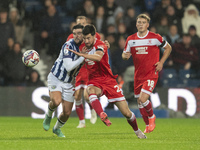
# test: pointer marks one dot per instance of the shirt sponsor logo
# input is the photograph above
(141, 50)
(89, 62)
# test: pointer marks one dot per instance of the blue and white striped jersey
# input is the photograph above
(59, 69)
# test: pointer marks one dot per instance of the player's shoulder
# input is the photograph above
(99, 43)
(70, 37)
(70, 42)
(153, 35)
(98, 36)
(132, 36)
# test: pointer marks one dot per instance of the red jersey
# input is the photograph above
(99, 69)
(71, 36)
(145, 53)
(82, 78)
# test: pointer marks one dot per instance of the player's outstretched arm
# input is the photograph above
(95, 57)
(126, 55)
(70, 65)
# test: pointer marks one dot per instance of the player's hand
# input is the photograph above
(84, 50)
(75, 52)
(159, 66)
(126, 55)
(107, 43)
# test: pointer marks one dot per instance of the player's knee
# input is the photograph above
(127, 114)
(90, 90)
(66, 113)
(56, 101)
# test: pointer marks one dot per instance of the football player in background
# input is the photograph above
(61, 81)
(144, 48)
(101, 80)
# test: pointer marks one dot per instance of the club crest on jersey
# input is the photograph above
(66, 51)
(149, 42)
(53, 87)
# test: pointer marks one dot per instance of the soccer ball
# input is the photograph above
(30, 58)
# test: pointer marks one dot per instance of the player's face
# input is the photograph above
(142, 24)
(78, 36)
(89, 40)
(81, 21)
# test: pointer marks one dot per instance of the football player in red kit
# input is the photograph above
(102, 81)
(81, 85)
(144, 48)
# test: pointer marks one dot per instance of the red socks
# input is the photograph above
(95, 103)
(144, 114)
(132, 121)
(80, 110)
(148, 107)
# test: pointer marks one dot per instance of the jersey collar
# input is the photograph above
(143, 36)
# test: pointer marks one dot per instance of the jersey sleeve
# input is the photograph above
(162, 42)
(101, 47)
(127, 46)
(66, 52)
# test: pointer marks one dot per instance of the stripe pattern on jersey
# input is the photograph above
(58, 68)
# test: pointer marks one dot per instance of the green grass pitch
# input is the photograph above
(24, 133)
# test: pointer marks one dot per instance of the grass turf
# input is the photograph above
(24, 133)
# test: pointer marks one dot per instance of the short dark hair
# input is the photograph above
(89, 29)
(78, 26)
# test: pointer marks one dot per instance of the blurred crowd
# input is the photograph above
(44, 25)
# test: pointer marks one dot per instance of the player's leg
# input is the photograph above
(123, 107)
(137, 90)
(67, 104)
(95, 92)
(93, 118)
(143, 99)
(55, 100)
(144, 115)
(79, 107)
(62, 119)
(54, 86)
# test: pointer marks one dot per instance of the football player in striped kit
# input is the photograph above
(61, 81)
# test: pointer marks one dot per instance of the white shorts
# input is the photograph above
(67, 89)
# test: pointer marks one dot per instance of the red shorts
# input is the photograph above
(145, 86)
(109, 87)
(81, 78)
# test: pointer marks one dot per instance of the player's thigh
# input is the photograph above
(86, 96)
(67, 107)
(124, 109)
(94, 90)
(56, 96)
(147, 88)
(143, 97)
(78, 94)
